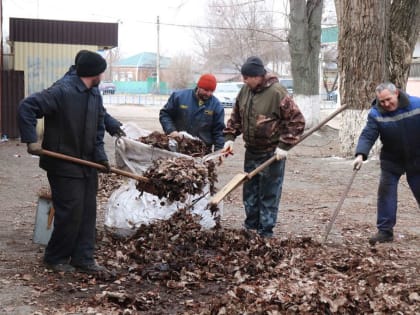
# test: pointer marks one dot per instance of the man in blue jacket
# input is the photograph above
(73, 125)
(197, 112)
(395, 119)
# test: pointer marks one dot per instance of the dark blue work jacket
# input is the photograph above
(182, 112)
(73, 125)
(399, 132)
(111, 124)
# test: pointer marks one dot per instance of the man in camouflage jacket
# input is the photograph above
(270, 123)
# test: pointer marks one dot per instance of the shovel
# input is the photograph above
(150, 188)
(240, 178)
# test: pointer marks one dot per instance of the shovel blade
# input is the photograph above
(237, 180)
(43, 221)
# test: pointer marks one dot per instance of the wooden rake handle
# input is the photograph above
(304, 136)
(339, 205)
(239, 178)
(94, 165)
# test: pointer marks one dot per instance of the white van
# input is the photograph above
(226, 92)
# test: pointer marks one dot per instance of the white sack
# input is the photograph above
(128, 208)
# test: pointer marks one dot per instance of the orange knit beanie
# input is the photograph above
(207, 81)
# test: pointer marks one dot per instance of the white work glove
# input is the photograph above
(228, 147)
(185, 134)
(173, 145)
(174, 134)
(280, 154)
(357, 163)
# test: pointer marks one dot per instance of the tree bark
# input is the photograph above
(304, 45)
(404, 29)
(376, 42)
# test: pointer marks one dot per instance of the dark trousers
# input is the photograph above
(73, 237)
(388, 197)
(261, 194)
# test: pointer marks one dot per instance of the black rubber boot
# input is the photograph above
(60, 267)
(382, 237)
(91, 268)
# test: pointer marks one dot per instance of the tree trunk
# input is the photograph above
(404, 29)
(376, 42)
(304, 45)
(361, 42)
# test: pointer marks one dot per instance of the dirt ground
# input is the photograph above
(316, 177)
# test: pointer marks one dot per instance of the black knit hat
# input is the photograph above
(253, 67)
(81, 52)
(89, 64)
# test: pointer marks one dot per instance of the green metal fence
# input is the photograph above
(142, 87)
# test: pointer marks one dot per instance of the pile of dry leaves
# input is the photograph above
(226, 271)
(176, 178)
(190, 146)
(179, 177)
(176, 267)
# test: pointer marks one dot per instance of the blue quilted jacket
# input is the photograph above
(399, 132)
(183, 113)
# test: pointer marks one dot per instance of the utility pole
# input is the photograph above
(158, 58)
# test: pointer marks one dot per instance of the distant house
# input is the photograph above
(140, 67)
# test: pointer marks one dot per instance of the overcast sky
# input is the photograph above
(136, 18)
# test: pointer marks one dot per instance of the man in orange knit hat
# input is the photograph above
(197, 112)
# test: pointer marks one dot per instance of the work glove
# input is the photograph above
(173, 145)
(184, 134)
(119, 133)
(174, 134)
(34, 148)
(107, 166)
(357, 163)
(228, 147)
(280, 154)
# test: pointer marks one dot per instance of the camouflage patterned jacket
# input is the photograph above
(266, 117)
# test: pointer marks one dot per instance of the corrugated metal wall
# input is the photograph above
(101, 34)
(44, 64)
(12, 94)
